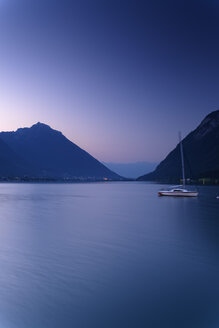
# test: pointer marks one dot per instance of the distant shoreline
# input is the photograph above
(200, 182)
(54, 180)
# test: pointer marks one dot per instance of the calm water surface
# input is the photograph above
(110, 255)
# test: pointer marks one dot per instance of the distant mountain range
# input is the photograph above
(41, 152)
(201, 149)
(131, 170)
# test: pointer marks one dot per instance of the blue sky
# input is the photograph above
(119, 78)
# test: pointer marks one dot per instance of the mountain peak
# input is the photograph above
(40, 125)
(213, 116)
(201, 148)
(37, 128)
(45, 152)
(210, 122)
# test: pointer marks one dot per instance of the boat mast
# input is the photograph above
(182, 160)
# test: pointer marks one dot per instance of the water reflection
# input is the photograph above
(107, 255)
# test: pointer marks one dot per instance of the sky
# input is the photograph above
(119, 78)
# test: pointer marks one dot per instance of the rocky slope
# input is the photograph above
(40, 151)
(201, 150)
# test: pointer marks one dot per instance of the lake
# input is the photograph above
(107, 255)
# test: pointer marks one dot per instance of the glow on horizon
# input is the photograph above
(119, 81)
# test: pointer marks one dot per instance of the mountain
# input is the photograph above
(10, 163)
(40, 151)
(131, 170)
(201, 152)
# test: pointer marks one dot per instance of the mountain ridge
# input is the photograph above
(201, 149)
(47, 153)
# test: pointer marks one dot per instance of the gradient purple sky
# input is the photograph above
(118, 78)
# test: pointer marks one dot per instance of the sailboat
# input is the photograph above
(179, 191)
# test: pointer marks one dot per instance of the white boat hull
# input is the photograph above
(178, 193)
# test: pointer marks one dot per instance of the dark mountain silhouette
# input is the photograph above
(10, 163)
(201, 149)
(42, 152)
